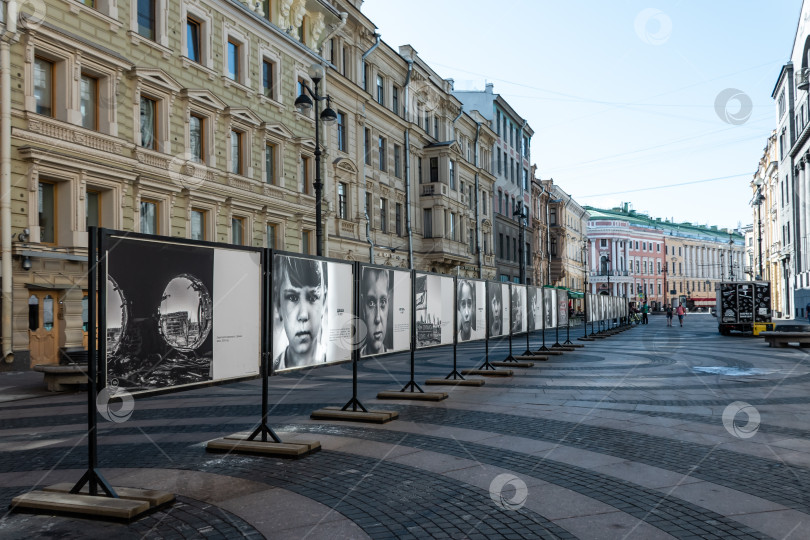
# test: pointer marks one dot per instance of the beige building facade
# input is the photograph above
(178, 119)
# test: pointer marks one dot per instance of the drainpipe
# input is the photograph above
(408, 165)
(365, 206)
(460, 112)
(540, 198)
(365, 55)
(523, 262)
(5, 176)
(365, 151)
(477, 213)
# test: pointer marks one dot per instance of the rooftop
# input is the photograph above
(667, 226)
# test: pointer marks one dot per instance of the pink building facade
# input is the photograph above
(626, 258)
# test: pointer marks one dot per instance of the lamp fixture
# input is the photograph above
(26, 263)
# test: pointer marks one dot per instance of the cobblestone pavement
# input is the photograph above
(657, 432)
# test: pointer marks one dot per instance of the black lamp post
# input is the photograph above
(758, 200)
(303, 103)
(521, 212)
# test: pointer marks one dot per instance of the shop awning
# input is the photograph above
(575, 294)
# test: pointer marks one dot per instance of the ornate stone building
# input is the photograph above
(178, 119)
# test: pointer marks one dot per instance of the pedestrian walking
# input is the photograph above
(669, 314)
(644, 310)
(681, 312)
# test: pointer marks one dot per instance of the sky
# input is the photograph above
(665, 105)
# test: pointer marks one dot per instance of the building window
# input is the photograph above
(472, 241)
(553, 246)
(150, 216)
(267, 78)
(234, 69)
(380, 90)
(270, 163)
(146, 19)
(344, 64)
(271, 236)
(306, 242)
(397, 161)
(149, 123)
(603, 242)
(500, 201)
(499, 161)
(436, 127)
(500, 245)
(46, 205)
(341, 131)
(88, 101)
(198, 224)
(43, 86)
(395, 100)
(193, 34)
(367, 145)
(452, 174)
(368, 209)
(398, 219)
(484, 201)
(428, 222)
(384, 215)
(305, 174)
(434, 169)
(419, 169)
(236, 151)
(514, 249)
(552, 216)
(238, 231)
(196, 126)
(452, 226)
(92, 209)
(498, 124)
(343, 211)
(381, 146)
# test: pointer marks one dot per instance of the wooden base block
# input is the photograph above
(153, 497)
(291, 450)
(514, 364)
(575, 345)
(488, 372)
(372, 417)
(532, 358)
(585, 339)
(549, 351)
(456, 382)
(420, 396)
(85, 505)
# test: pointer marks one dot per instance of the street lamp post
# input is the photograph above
(303, 103)
(758, 200)
(522, 214)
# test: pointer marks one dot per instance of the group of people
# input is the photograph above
(680, 311)
(640, 315)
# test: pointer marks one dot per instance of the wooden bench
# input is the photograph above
(782, 339)
(59, 378)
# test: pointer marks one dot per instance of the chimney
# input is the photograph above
(489, 87)
(452, 83)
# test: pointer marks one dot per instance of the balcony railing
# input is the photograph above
(434, 188)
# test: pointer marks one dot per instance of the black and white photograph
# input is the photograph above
(434, 310)
(312, 321)
(385, 310)
(562, 308)
(535, 300)
(498, 301)
(470, 309)
(518, 309)
(171, 313)
(550, 307)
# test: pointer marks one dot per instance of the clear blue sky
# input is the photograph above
(620, 94)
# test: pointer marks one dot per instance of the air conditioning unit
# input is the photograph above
(802, 82)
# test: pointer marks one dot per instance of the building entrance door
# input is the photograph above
(43, 328)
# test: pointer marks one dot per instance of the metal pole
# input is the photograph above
(318, 184)
(759, 233)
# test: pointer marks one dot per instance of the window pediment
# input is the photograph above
(158, 78)
(205, 98)
(278, 129)
(243, 114)
(345, 165)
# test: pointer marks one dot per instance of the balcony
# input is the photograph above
(433, 189)
(447, 251)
